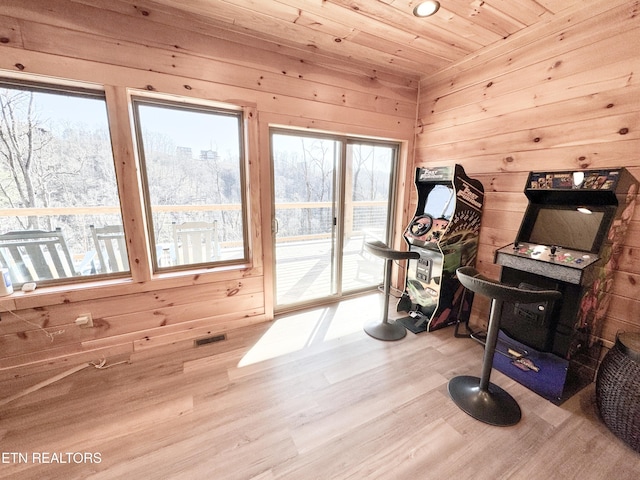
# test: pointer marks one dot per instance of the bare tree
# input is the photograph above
(22, 138)
(359, 164)
(318, 165)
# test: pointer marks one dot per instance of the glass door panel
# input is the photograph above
(304, 184)
(367, 202)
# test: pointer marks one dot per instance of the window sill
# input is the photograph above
(104, 288)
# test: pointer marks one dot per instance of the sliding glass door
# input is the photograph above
(331, 195)
(304, 171)
(366, 211)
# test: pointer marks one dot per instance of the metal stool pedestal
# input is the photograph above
(385, 330)
(479, 397)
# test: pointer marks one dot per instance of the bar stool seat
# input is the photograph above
(385, 330)
(479, 397)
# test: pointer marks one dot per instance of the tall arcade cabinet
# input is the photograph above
(570, 240)
(444, 231)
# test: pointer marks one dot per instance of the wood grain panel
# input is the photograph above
(594, 131)
(278, 54)
(473, 123)
(10, 31)
(168, 33)
(276, 30)
(129, 184)
(556, 53)
(119, 52)
(62, 314)
(613, 77)
(527, 39)
(116, 325)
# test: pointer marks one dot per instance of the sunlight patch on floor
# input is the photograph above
(299, 331)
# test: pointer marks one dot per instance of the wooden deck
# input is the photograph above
(304, 270)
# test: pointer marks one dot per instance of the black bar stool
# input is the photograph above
(385, 330)
(478, 397)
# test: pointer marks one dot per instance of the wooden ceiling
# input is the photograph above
(382, 35)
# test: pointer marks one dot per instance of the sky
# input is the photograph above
(197, 130)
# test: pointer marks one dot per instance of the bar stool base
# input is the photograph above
(495, 406)
(385, 331)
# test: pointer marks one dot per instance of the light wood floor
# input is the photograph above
(309, 396)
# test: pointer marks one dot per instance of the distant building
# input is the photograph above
(209, 155)
(184, 152)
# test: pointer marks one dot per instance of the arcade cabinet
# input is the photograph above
(568, 241)
(444, 232)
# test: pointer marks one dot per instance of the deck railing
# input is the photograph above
(296, 221)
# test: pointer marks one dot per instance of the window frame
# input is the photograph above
(78, 90)
(345, 140)
(202, 106)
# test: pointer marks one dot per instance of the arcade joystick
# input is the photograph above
(553, 250)
(515, 245)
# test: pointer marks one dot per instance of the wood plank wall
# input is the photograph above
(563, 95)
(147, 48)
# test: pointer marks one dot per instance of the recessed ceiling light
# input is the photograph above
(426, 9)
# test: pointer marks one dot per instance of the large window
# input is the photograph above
(60, 217)
(192, 161)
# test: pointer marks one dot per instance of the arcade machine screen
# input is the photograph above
(572, 228)
(440, 202)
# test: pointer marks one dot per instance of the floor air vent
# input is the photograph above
(204, 341)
